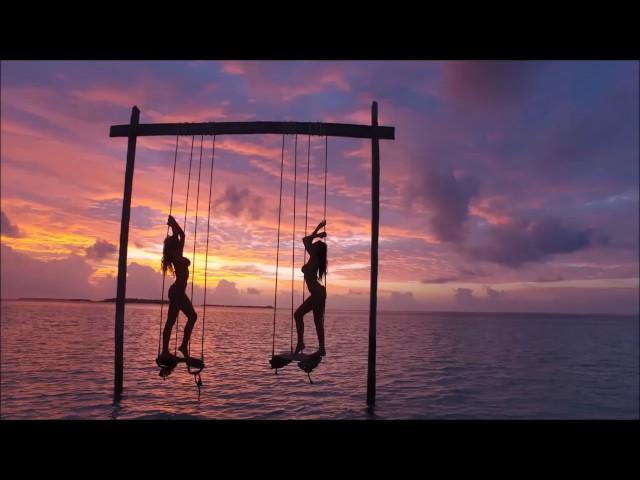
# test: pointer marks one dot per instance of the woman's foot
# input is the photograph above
(322, 352)
(166, 360)
(166, 355)
(299, 348)
(184, 350)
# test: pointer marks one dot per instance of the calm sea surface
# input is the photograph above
(57, 363)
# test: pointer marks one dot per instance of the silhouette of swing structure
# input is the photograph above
(135, 129)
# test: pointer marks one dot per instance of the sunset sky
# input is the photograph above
(510, 186)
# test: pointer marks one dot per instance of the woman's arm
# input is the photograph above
(177, 230)
(320, 225)
(308, 240)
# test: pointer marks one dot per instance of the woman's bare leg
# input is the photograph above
(192, 316)
(172, 315)
(302, 310)
(318, 319)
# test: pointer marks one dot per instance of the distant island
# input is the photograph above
(383, 311)
(148, 301)
(152, 301)
(36, 299)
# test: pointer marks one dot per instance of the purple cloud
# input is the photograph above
(399, 301)
(463, 274)
(7, 228)
(554, 278)
(464, 297)
(438, 280)
(25, 276)
(447, 197)
(489, 83)
(101, 249)
(141, 216)
(493, 294)
(237, 201)
(525, 241)
(225, 293)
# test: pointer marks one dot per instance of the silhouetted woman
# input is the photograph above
(313, 271)
(173, 261)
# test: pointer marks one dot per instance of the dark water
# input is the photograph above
(57, 362)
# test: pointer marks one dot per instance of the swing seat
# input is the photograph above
(309, 363)
(305, 362)
(279, 361)
(167, 361)
(172, 361)
(193, 363)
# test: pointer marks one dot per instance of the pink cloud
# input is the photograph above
(9, 126)
(308, 79)
(198, 114)
(233, 67)
(112, 95)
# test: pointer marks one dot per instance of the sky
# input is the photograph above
(510, 186)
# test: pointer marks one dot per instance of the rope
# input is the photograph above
(325, 180)
(164, 274)
(324, 217)
(275, 301)
(195, 227)
(306, 210)
(175, 346)
(293, 237)
(188, 185)
(195, 233)
(206, 255)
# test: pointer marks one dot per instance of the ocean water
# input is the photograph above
(57, 363)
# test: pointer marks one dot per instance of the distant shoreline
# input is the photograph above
(35, 299)
(158, 302)
(343, 310)
(146, 301)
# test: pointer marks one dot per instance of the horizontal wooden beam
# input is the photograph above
(243, 128)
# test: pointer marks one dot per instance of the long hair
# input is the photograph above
(168, 252)
(321, 254)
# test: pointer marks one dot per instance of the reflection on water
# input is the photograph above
(57, 362)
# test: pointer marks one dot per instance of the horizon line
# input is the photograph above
(455, 312)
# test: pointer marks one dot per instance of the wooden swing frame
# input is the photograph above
(135, 129)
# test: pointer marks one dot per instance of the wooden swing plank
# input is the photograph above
(305, 362)
(296, 357)
(173, 361)
(246, 128)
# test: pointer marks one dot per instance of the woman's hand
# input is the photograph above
(320, 225)
(322, 235)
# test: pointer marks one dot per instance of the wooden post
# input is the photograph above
(122, 259)
(373, 289)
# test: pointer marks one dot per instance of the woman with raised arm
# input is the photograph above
(313, 271)
(173, 261)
